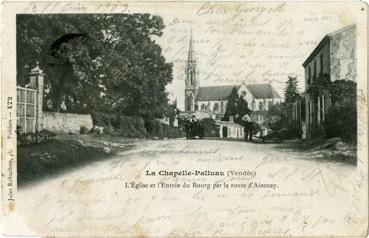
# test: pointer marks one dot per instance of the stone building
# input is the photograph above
(334, 58)
(211, 101)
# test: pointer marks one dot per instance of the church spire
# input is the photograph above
(190, 50)
(191, 82)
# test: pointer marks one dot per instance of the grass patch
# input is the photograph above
(43, 160)
(321, 149)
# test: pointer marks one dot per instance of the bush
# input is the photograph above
(35, 138)
(157, 129)
(133, 127)
(341, 119)
(318, 132)
(120, 125)
(284, 134)
(211, 129)
(48, 159)
(83, 130)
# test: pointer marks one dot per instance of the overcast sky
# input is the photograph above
(246, 42)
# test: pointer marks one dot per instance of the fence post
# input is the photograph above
(37, 82)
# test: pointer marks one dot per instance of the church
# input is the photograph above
(211, 101)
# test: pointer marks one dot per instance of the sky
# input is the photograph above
(254, 42)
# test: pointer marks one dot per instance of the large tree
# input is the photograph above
(236, 107)
(291, 90)
(279, 116)
(107, 62)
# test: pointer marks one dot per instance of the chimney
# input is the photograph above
(230, 118)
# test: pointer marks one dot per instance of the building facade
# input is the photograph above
(333, 59)
(230, 129)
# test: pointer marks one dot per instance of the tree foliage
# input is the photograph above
(279, 116)
(341, 119)
(236, 107)
(290, 91)
(107, 62)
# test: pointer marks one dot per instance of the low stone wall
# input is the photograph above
(66, 122)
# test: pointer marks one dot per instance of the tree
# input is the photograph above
(291, 89)
(236, 107)
(105, 62)
(290, 94)
(276, 117)
(279, 117)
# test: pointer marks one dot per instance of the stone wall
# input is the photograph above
(343, 55)
(66, 122)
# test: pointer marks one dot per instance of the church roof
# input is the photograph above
(261, 91)
(215, 93)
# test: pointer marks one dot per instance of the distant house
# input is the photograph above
(230, 129)
(334, 58)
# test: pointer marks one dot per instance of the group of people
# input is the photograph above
(194, 128)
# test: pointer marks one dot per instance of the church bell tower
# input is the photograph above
(191, 82)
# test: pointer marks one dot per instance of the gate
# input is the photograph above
(26, 109)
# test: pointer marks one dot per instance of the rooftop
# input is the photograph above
(261, 91)
(216, 93)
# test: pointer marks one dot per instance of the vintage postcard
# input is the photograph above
(184, 119)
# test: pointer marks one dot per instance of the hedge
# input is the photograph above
(133, 126)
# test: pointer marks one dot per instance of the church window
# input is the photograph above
(216, 107)
(203, 106)
(191, 78)
(261, 106)
(321, 63)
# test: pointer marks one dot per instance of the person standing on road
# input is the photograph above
(251, 129)
(194, 129)
(248, 127)
(188, 128)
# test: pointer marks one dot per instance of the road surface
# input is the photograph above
(198, 187)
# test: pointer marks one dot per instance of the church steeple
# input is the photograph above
(190, 50)
(191, 81)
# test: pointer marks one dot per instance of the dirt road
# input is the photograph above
(199, 187)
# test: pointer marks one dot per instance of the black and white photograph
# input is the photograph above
(185, 119)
